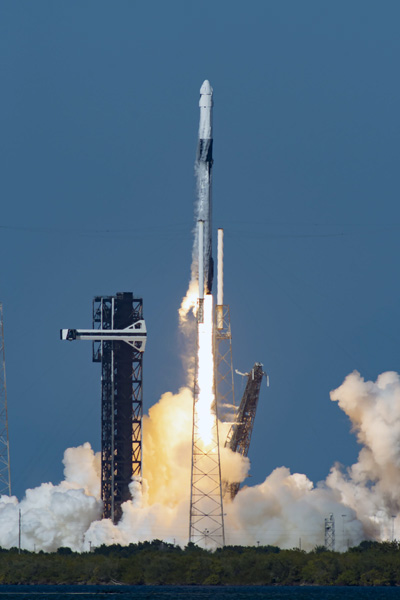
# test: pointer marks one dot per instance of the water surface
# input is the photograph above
(125, 592)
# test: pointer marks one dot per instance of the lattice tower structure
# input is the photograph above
(330, 533)
(239, 435)
(224, 384)
(121, 400)
(206, 521)
(5, 471)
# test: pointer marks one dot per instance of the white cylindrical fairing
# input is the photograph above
(205, 104)
(201, 260)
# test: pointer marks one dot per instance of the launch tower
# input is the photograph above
(119, 338)
(121, 400)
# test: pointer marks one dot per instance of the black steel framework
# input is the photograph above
(121, 400)
(239, 435)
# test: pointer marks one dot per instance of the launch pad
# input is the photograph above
(119, 338)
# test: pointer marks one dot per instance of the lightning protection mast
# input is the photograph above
(224, 386)
(5, 473)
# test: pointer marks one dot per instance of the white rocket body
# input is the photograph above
(204, 164)
(206, 104)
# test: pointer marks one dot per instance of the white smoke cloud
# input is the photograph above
(55, 515)
(364, 498)
(288, 511)
(371, 487)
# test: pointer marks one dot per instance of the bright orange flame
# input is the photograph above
(205, 374)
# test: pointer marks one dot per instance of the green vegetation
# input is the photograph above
(158, 563)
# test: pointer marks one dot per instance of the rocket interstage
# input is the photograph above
(204, 162)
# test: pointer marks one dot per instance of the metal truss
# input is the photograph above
(5, 473)
(121, 400)
(330, 533)
(239, 435)
(206, 523)
(224, 385)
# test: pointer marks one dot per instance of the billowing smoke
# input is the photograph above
(287, 507)
(285, 510)
(371, 487)
(55, 515)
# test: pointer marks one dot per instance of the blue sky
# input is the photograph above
(99, 118)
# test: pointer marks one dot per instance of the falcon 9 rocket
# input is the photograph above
(204, 162)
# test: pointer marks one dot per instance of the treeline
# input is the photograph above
(158, 563)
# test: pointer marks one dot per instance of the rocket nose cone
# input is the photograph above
(206, 88)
